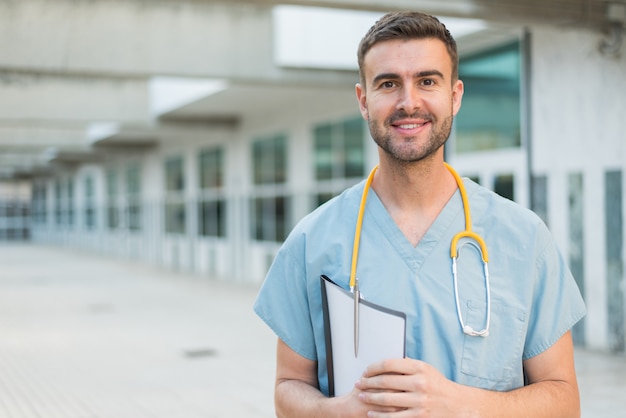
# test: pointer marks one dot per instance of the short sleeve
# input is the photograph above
(557, 302)
(282, 302)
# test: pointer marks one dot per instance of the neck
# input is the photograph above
(414, 186)
(414, 194)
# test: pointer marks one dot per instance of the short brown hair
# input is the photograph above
(405, 26)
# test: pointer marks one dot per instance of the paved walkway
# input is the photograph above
(84, 336)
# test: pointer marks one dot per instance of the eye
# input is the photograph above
(387, 84)
(428, 82)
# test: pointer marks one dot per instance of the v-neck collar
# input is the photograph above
(413, 256)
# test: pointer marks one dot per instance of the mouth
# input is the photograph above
(410, 128)
(410, 125)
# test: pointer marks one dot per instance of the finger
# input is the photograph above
(396, 401)
(382, 383)
(393, 366)
(395, 383)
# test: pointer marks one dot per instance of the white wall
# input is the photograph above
(579, 125)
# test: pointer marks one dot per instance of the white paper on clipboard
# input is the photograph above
(382, 334)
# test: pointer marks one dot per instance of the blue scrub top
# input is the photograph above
(534, 298)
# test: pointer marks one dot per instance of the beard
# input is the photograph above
(407, 149)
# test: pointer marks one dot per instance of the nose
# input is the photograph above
(410, 99)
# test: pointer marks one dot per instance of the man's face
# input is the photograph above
(409, 99)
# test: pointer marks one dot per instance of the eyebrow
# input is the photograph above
(430, 73)
(421, 74)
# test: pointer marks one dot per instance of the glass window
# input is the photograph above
(490, 116)
(339, 156)
(321, 198)
(504, 185)
(539, 190)
(212, 214)
(43, 203)
(323, 152)
(211, 168)
(38, 198)
(212, 205)
(175, 208)
(133, 180)
(353, 147)
(174, 175)
(34, 202)
(133, 197)
(271, 217)
(474, 177)
(175, 217)
(69, 204)
(58, 202)
(270, 160)
(614, 241)
(64, 202)
(576, 240)
(339, 149)
(14, 215)
(90, 206)
(112, 196)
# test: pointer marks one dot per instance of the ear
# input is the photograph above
(362, 99)
(457, 96)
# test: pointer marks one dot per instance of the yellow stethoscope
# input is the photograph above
(468, 236)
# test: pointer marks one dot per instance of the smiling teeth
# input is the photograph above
(411, 126)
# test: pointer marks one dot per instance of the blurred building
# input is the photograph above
(193, 134)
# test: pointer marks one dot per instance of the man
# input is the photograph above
(409, 92)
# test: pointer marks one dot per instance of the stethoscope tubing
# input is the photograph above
(467, 236)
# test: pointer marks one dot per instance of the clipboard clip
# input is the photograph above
(357, 297)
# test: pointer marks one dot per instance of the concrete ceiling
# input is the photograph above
(556, 12)
(68, 64)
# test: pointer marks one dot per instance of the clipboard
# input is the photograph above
(382, 335)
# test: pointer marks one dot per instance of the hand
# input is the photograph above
(410, 387)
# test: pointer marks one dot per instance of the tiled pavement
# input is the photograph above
(88, 337)
(85, 336)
